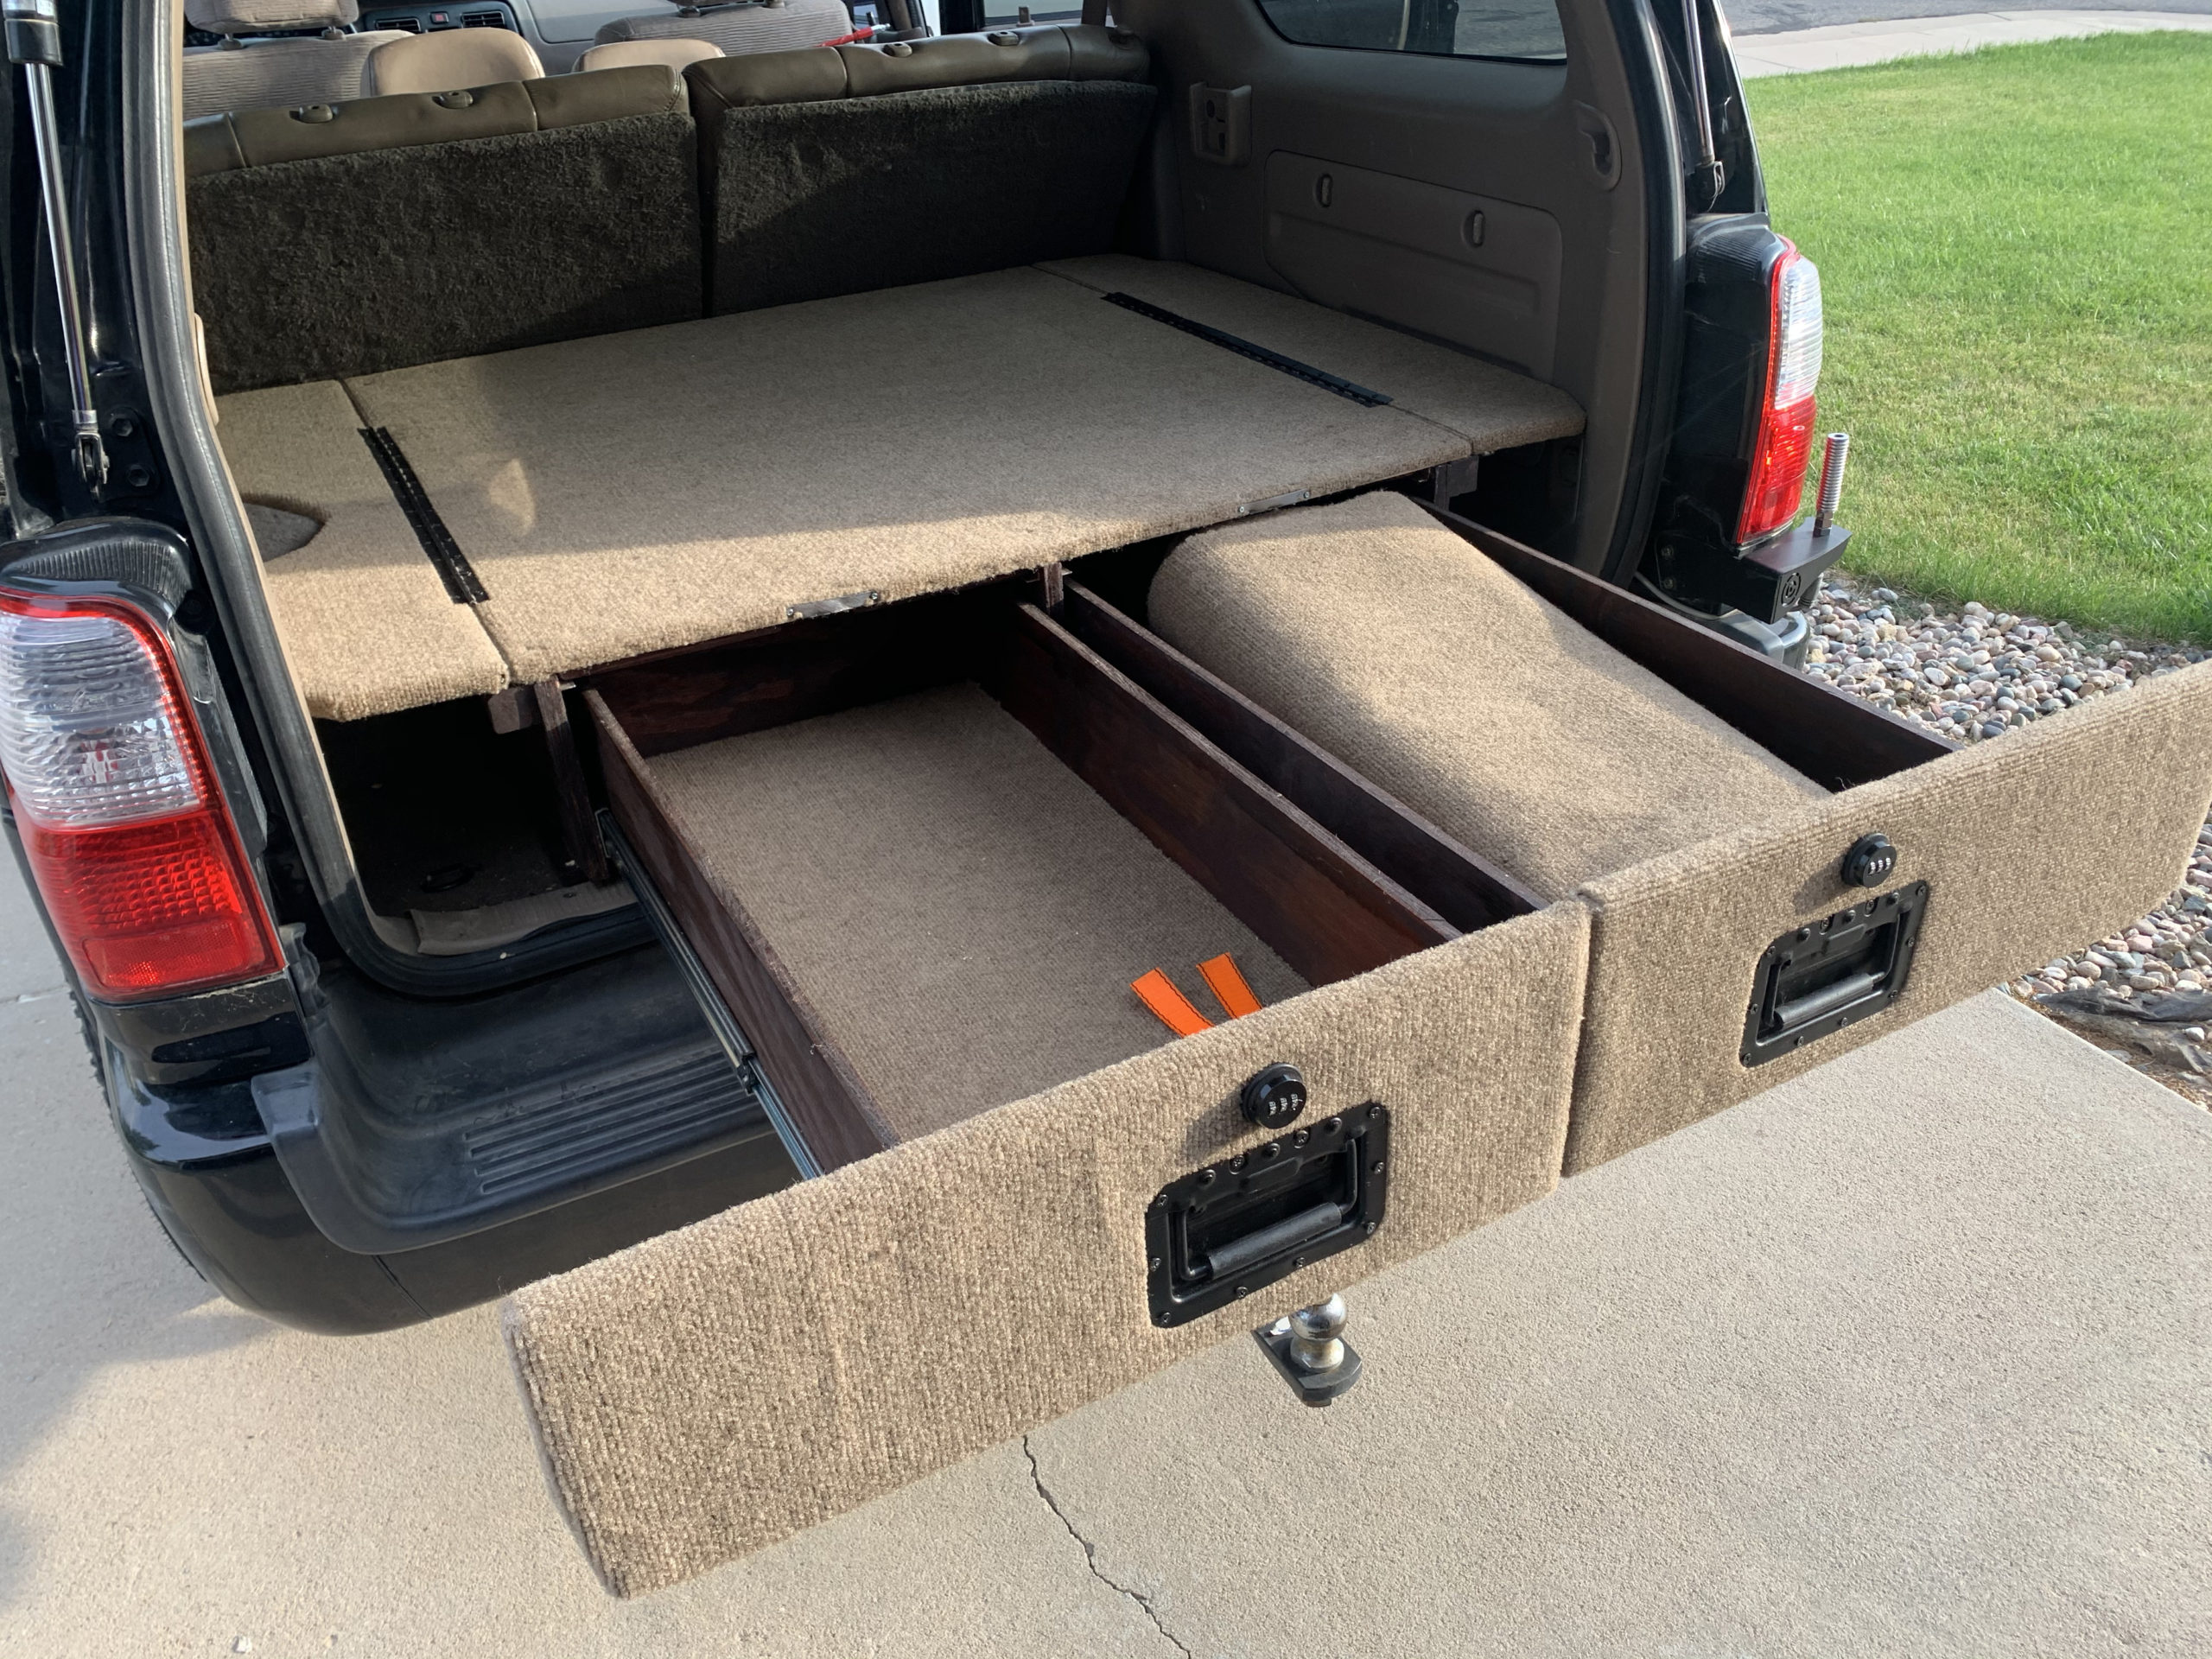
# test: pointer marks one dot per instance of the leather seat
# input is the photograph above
(744, 27)
(450, 61)
(675, 53)
(268, 74)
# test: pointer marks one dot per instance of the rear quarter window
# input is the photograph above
(1529, 30)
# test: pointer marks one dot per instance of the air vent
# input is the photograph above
(405, 25)
(484, 20)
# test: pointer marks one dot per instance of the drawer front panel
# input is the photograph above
(713, 1391)
(2030, 846)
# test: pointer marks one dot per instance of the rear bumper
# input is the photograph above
(225, 1203)
(235, 1215)
(427, 1156)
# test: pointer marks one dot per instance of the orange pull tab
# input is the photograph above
(1227, 985)
(1157, 992)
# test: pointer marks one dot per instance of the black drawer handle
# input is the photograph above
(1286, 1234)
(1243, 1221)
(1828, 1000)
(1817, 979)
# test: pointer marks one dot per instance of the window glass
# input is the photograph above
(1455, 29)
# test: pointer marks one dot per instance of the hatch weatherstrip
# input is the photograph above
(1260, 355)
(462, 584)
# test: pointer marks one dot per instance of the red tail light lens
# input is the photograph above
(1784, 446)
(130, 844)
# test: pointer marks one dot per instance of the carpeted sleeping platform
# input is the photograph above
(637, 492)
(964, 913)
(366, 623)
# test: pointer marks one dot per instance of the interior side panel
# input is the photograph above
(1476, 270)
(1411, 146)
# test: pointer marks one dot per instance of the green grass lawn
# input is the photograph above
(2016, 259)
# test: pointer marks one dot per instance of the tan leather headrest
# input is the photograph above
(671, 50)
(812, 74)
(222, 144)
(268, 17)
(451, 59)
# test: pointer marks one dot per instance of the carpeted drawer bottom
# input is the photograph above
(964, 913)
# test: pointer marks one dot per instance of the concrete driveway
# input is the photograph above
(1909, 1356)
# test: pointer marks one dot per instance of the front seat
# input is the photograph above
(450, 60)
(741, 27)
(331, 68)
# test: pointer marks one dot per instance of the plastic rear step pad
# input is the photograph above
(422, 1121)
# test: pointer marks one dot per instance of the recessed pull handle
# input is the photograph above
(1292, 1230)
(1828, 1000)
(1239, 1225)
(1818, 979)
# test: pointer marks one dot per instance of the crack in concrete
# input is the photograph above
(1090, 1554)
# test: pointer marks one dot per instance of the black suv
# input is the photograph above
(357, 442)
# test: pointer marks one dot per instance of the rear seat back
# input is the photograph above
(346, 239)
(843, 169)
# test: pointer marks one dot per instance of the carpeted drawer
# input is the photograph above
(1715, 810)
(920, 852)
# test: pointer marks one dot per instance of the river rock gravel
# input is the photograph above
(1974, 675)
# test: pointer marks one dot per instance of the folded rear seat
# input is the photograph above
(1732, 938)
(843, 169)
(344, 240)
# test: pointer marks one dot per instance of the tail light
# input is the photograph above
(128, 839)
(1785, 445)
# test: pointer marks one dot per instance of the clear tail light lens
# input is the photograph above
(131, 845)
(1784, 446)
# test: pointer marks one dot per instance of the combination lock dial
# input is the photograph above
(1273, 1097)
(1870, 861)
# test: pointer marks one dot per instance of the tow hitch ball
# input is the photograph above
(1308, 1347)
